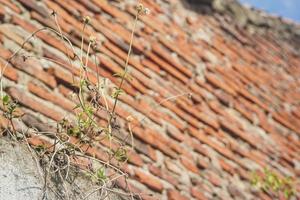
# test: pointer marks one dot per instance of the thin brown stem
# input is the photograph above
(125, 69)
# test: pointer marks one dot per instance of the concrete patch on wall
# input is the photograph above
(21, 178)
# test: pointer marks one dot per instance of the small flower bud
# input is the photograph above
(129, 118)
(53, 13)
(92, 39)
(146, 11)
(86, 19)
(140, 8)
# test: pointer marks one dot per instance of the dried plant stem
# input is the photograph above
(81, 46)
(22, 47)
(62, 151)
(125, 69)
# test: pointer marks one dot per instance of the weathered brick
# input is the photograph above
(164, 174)
(135, 159)
(24, 99)
(2, 14)
(172, 167)
(50, 96)
(195, 192)
(9, 72)
(202, 164)
(33, 6)
(32, 121)
(36, 141)
(3, 122)
(34, 68)
(151, 181)
(11, 34)
(189, 164)
(175, 133)
(175, 195)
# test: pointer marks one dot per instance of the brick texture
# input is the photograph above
(217, 102)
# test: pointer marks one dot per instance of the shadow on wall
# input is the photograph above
(200, 6)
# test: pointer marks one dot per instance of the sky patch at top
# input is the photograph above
(284, 8)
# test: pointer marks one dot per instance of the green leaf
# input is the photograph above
(121, 154)
(5, 99)
(117, 92)
(101, 174)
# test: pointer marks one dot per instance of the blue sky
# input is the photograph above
(285, 8)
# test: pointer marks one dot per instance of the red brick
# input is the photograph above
(32, 5)
(217, 82)
(214, 179)
(64, 15)
(189, 164)
(154, 139)
(38, 106)
(198, 147)
(5, 54)
(203, 117)
(167, 57)
(34, 68)
(50, 96)
(135, 159)
(222, 150)
(12, 6)
(175, 195)
(123, 55)
(183, 115)
(35, 141)
(151, 181)
(226, 166)
(3, 123)
(253, 99)
(173, 167)
(116, 13)
(52, 41)
(285, 122)
(145, 108)
(2, 15)
(78, 7)
(48, 22)
(151, 65)
(151, 153)
(175, 133)
(163, 174)
(234, 130)
(9, 72)
(11, 34)
(64, 77)
(197, 194)
(174, 48)
(123, 33)
(167, 67)
(202, 164)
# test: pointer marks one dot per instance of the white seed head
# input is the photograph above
(129, 118)
(146, 11)
(140, 8)
(92, 39)
(86, 19)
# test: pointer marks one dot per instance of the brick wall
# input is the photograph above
(243, 114)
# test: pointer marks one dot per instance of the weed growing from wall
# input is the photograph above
(73, 139)
(273, 184)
